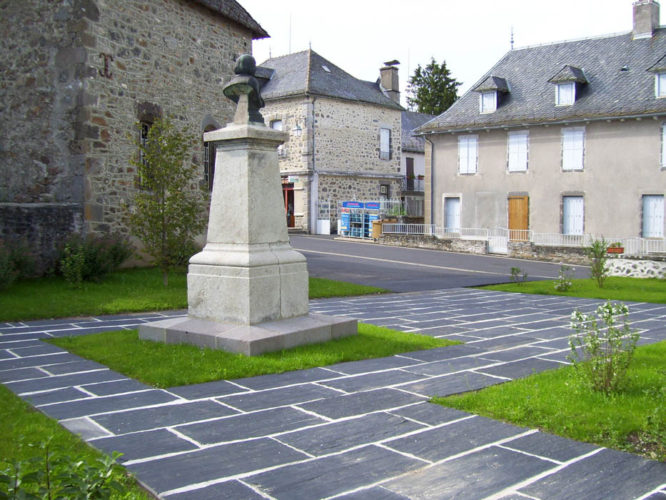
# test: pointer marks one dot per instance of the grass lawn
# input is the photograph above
(557, 401)
(129, 290)
(19, 422)
(167, 365)
(615, 288)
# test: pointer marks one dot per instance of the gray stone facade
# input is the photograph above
(77, 77)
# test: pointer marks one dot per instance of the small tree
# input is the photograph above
(596, 252)
(168, 210)
(431, 89)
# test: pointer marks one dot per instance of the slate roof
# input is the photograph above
(616, 67)
(492, 83)
(309, 73)
(234, 11)
(410, 121)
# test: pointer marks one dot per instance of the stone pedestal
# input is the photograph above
(248, 289)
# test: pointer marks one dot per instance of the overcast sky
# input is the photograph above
(470, 35)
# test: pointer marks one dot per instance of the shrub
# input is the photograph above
(56, 475)
(601, 350)
(597, 253)
(89, 259)
(564, 278)
(8, 271)
(517, 275)
(16, 261)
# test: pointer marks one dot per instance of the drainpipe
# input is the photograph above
(314, 183)
(432, 181)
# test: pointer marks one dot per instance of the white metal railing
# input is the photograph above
(632, 246)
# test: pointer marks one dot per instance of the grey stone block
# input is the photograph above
(278, 397)
(287, 378)
(32, 361)
(143, 445)
(550, 446)
(430, 414)
(451, 384)
(371, 380)
(440, 353)
(76, 366)
(46, 383)
(229, 489)
(516, 353)
(376, 493)
(524, 368)
(116, 387)
(206, 390)
(449, 366)
(84, 428)
(371, 365)
(55, 396)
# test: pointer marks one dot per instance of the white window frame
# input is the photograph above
(652, 216)
(384, 143)
(573, 149)
(573, 225)
(517, 150)
(488, 101)
(455, 227)
(565, 98)
(663, 145)
(468, 154)
(660, 85)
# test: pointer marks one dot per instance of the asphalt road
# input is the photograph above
(402, 269)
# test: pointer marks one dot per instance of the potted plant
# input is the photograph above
(615, 247)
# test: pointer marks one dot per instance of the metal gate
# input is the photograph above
(498, 241)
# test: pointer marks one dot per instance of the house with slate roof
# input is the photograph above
(77, 77)
(344, 135)
(412, 162)
(562, 139)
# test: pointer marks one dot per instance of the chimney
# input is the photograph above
(646, 18)
(389, 80)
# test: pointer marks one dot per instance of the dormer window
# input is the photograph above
(491, 93)
(565, 94)
(568, 82)
(488, 101)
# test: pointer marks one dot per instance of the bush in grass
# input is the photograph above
(564, 278)
(16, 261)
(603, 346)
(597, 253)
(53, 473)
(89, 259)
(517, 275)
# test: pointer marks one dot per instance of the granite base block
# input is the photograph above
(250, 340)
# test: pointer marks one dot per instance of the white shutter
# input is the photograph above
(452, 215)
(573, 141)
(467, 154)
(566, 94)
(384, 143)
(653, 216)
(518, 151)
(573, 215)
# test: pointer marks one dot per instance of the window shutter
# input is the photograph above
(573, 141)
(573, 215)
(518, 151)
(452, 215)
(653, 216)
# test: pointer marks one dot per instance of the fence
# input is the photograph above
(498, 238)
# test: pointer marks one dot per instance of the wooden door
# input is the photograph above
(518, 218)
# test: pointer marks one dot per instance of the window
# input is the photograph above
(573, 215)
(143, 141)
(517, 151)
(663, 145)
(573, 141)
(653, 216)
(660, 84)
(385, 143)
(488, 102)
(452, 215)
(467, 154)
(277, 125)
(565, 93)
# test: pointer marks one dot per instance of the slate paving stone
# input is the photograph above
(162, 416)
(212, 463)
(143, 445)
(105, 404)
(56, 396)
(43, 384)
(660, 495)
(550, 446)
(371, 381)
(562, 356)
(75, 332)
(249, 425)
(278, 397)
(21, 374)
(229, 490)
(451, 384)
(287, 378)
(523, 368)
(333, 475)
(6, 355)
(32, 361)
(495, 332)
(74, 366)
(206, 390)
(339, 436)
(376, 493)
(607, 474)
(449, 366)
(476, 475)
(430, 414)
(117, 387)
(552, 333)
(361, 403)
(18, 343)
(458, 437)
(372, 365)
(84, 428)
(440, 353)
(10, 337)
(35, 350)
(517, 353)
(502, 342)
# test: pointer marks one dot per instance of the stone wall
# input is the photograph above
(527, 250)
(479, 247)
(637, 267)
(77, 75)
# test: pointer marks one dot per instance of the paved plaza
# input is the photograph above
(358, 430)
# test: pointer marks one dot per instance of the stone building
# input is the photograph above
(344, 135)
(558, 141)
(77, 76)
(412, 162)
